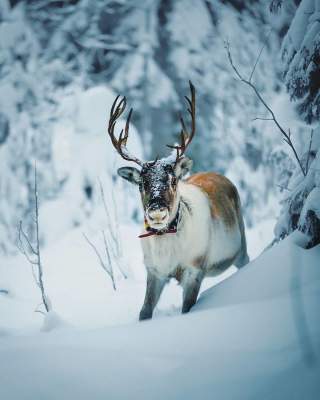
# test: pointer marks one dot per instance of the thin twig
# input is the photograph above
(283, 188)
(109, 259)
(103, 265)
(40, 270)
(113, 229)
(262, 119)
(309, 151)
(40, 312)
(22, 249)
(23, 238)
(96, 251)
(286, 135)
(106, 209)
(37, 309)
(258, 58)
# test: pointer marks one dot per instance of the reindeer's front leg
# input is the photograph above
(191, 282)
(154, 289)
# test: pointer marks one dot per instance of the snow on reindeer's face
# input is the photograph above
(157, 183)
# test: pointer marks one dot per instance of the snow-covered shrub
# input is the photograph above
(301, 60)
(27, 110)
(300, 55)
(49, 115)
(301, 205)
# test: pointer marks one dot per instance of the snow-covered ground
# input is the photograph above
(80, 290)
(253, 336)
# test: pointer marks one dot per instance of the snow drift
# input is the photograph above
(253, 336)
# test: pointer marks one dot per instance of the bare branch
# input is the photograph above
(286, 135)
(37, 309)
(22, 249)
(262, 119)
(40, 312)
(40, 270)
(113, 228)
(309, 152)
(23, 238)
(95, 250)
(258, 58)
(104, 200)
(283, 188)
(109, 259)
(102, 263)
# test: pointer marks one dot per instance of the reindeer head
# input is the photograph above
(157, 180)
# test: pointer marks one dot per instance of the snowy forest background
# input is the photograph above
(63, 62)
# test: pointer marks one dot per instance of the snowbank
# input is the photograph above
(254, 336)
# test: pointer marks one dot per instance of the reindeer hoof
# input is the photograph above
(145, 314)
(186, 308)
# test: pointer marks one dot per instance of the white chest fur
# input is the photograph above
(198, 236)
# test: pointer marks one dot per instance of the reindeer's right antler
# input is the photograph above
(120, 143)
(185, 136)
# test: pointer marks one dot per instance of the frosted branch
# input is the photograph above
(25, 247)
(286, 135)
(102, 263)
(309, 152)
(113, 228)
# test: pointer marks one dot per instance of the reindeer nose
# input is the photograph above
(156, 205)
(156, 213)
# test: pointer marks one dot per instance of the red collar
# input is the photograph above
(157, 233)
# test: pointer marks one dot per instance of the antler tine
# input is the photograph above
(192, 111)
(126, 129)
(119, 144)
(185, 136)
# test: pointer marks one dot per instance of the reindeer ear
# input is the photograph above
(183, 167)
(131, 174)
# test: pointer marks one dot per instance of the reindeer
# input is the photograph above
(193, 227)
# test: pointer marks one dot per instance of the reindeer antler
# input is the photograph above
(121, 143)
(185, 136)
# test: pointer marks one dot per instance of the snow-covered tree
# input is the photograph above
(301, 60)
(185, 41)
(301, 68)
(148, 51)
(28, 102)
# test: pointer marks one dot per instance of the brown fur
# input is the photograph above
(178, 274)
(198, 262)
(223, 196)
